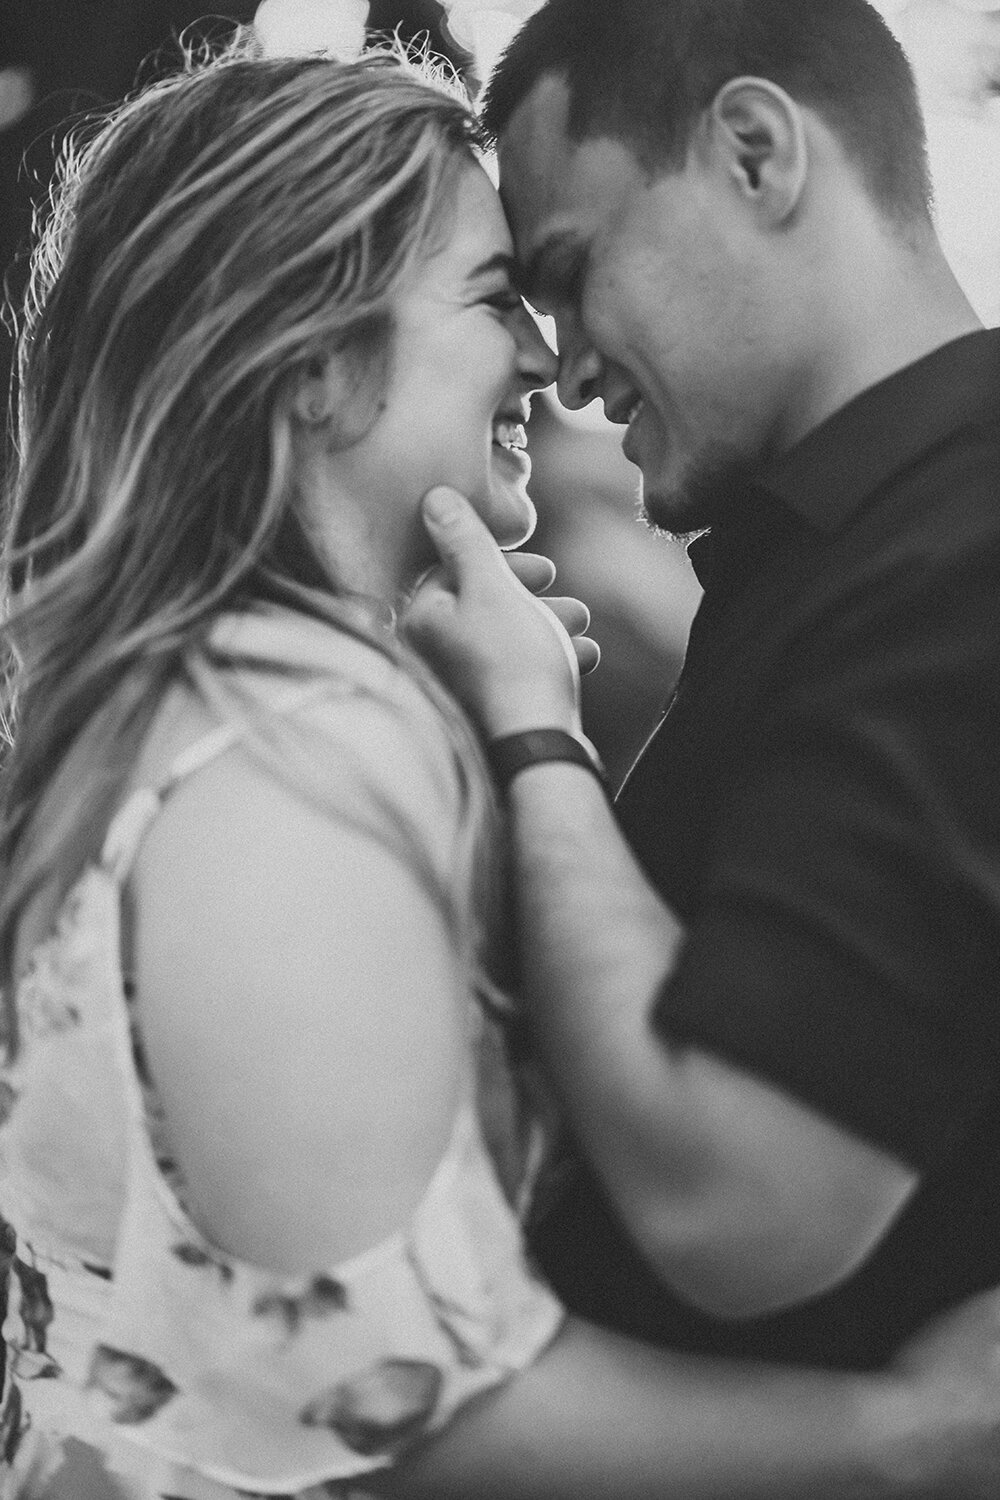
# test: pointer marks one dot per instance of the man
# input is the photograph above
(776, 1038)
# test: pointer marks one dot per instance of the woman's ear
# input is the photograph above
(757, 133)
(313, 398)
(338, 397)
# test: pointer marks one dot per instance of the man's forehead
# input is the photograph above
(552, 185)
(533, 150)
(541, 117)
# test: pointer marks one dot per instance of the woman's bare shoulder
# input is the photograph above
(302, 1006)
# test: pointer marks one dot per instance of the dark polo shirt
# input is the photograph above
(821, 806)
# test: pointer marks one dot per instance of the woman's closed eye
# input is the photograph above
(505, 299)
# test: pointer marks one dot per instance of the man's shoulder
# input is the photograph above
(943, 511)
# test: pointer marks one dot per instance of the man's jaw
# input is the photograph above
(705, 492)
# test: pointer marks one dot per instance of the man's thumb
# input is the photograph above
(456, 531)
(443, 506)
(446, 510)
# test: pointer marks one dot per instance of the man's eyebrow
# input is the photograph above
(550, 266)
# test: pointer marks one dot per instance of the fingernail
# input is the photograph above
(441, 504)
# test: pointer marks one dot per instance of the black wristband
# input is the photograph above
(532, 747)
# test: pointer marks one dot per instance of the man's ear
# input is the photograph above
(757, 133)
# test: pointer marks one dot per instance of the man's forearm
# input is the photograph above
(596, 943)
(601, 1418)
(743, 1199)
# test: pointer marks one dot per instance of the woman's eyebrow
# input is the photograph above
(499, 262)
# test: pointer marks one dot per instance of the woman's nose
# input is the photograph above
(537, 363)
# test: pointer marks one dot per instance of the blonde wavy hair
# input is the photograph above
(216, 234)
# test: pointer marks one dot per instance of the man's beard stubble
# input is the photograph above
(708, 494)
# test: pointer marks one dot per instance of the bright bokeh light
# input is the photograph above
(17, 93)
(485, 29)
(954, 49)
(293, 28)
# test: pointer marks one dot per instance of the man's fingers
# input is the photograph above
(574, 617)
(572, 614)
(530, 568)
(588, 653)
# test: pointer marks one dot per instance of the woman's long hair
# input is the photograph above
(219, 233)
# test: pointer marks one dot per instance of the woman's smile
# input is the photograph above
(466, 355)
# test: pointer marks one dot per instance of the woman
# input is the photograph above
(263, 1159)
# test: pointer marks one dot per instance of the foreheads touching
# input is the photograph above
(643, 72)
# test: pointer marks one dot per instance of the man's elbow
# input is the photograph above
(737, 1288)
(747, 1268)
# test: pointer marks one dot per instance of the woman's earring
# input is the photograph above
(317, 409)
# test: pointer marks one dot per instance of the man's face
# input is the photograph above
(658, 287)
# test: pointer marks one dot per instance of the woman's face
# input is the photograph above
(465, 354)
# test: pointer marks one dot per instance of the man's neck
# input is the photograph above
(877, 322)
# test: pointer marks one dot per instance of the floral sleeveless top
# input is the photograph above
(143, 1363)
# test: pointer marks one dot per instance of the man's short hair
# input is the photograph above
(644, 71)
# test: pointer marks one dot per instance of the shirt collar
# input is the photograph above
(837, 465)
(825, 477)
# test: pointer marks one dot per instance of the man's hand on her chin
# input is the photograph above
(513, 660)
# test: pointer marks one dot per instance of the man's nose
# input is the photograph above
(578, 381)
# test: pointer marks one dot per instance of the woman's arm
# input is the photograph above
(302, 1009)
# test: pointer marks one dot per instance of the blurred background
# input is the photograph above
(61, 58)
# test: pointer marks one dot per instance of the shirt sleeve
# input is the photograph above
(848, 940)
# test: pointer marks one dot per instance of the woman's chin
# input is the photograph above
(511, 517)
(509, 512)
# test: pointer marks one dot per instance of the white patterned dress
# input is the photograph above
(144, 1363)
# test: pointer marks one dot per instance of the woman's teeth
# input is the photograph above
(510, 435)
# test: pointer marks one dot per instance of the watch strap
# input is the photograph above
(511, 753)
